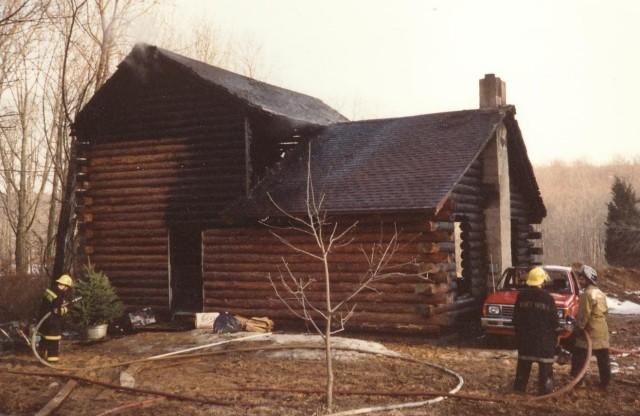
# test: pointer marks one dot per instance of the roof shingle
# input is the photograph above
(408, 163)
(270, 98)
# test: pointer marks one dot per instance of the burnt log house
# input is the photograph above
(176, 163)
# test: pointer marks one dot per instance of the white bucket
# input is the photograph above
(97, 332)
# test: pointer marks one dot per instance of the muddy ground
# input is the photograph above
(249, 377)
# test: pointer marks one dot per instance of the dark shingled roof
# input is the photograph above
(408, 163)
(269, 98)
(298, 109)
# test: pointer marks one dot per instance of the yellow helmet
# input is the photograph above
(537, 276)
(66, 280)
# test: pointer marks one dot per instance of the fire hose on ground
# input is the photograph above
(222, 403)
(620, 351)
(441, 395)
(34, 336)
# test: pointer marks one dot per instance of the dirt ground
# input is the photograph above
(262, 376)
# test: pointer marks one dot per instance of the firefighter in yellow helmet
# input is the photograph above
(54, 301)
(536, 324)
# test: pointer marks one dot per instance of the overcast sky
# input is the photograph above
(572, 67)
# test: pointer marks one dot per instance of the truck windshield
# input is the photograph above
(515, 278)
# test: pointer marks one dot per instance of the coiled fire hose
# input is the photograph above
(452, 393)
(34, 335)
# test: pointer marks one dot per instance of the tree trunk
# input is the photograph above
(327, 330)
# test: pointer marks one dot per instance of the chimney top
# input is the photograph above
(493, 92)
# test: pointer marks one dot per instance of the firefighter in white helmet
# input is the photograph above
(592, 318)
(51, 329)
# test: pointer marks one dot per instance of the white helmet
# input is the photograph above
(589, 273)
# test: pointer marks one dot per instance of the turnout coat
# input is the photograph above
(535, 320)
(52, 301)
(592, 318)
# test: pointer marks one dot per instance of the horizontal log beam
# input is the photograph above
(436, 267)
(335, 276)
(142, 249)
(295, 267)
(150, 233)
(443, 247)
(223, 155)
(434, 288)
(407, 309)
(317, 286)
(339, 258)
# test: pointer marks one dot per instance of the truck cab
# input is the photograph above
(497, 310)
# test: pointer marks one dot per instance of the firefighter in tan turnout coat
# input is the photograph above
(592, 319)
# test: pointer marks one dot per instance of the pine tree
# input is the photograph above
(100, 303)
(622, 245)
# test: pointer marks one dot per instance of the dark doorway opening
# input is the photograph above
(185, 254)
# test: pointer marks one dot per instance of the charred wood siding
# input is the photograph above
(238, 261)
(468, 200)
(156, 163)
(523, 235)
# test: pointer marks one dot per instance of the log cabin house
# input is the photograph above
(177, 164)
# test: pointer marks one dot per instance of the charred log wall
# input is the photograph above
(155, 163)
(468, 201)
(421, 298)
(525, 251)
(526, 212)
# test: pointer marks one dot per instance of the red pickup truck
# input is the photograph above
(497, 311)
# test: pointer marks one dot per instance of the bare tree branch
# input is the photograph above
(324, 316)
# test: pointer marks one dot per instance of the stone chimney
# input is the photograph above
(496, 180)
(493, 92)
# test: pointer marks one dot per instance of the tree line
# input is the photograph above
(54, 55)
(578, 197)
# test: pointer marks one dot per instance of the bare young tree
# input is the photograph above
(326, 235)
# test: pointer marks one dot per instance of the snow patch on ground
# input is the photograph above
(621, 307)
(199, 340)
(339, 344)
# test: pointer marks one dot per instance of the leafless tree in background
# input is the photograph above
(206, 43)
(21, 146)
(94, 39)
(54, 55)
(66, 50)
(576, 196)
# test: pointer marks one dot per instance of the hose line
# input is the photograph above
(621, 351)
(34, 349)
(453, 393)
(576, 379)
(441, 395)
